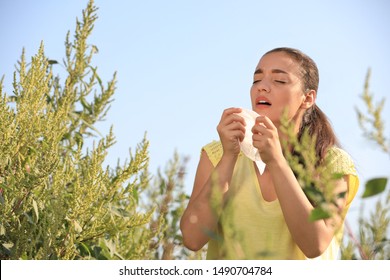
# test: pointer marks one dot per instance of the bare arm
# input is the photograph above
(199, 218)
(312, 237)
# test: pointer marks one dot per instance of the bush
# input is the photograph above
(58, 201)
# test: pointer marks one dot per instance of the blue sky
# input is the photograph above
(181, 63)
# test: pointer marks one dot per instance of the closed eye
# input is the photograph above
(280, 82)
(256, 81)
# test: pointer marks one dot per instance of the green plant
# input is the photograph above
(314, 176)
(372, 241)
(57, 198)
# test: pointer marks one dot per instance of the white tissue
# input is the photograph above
(246, 145)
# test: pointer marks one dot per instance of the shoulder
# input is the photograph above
(340, 161)
(214, 151)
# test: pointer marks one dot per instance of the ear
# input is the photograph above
(309, 99)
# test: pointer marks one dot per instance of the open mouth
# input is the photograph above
(263, 102)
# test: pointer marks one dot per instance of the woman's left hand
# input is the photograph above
(266, 140)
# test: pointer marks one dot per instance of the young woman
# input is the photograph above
(265, 215)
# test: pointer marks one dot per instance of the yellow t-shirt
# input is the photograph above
(252, 228)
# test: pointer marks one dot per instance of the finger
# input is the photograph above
(230, 118)
(235, 135)
(260, 128)
(236, 126)
(230, 124)
(265, 121)
(232, 110)
(229, 111)
(225, 131)
(256, 137)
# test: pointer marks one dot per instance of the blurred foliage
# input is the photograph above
(313, 175)
(371, 122)
(372, 242)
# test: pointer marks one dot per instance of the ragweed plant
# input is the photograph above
(314, 176)
(371, 122)
(57, 200)
(171, 201)
(372, 241)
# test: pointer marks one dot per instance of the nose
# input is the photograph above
(263, 85)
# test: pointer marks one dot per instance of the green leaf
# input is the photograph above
(319, 214)
(374, 187)
(84, 249)
(337, 176)
(52, 61)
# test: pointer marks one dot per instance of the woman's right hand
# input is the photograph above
(231, 130)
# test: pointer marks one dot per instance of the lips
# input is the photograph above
(263, 101)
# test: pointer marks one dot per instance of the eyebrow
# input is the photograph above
(277, 71)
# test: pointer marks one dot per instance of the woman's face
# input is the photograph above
(277, 86)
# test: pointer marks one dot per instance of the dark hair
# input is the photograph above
(314, 120)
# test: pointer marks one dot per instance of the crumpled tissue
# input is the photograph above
(246, 145)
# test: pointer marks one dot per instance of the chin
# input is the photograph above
(261, 112)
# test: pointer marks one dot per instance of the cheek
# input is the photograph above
(288, 103)
(252, 90)
(294, 99)
(252, 94)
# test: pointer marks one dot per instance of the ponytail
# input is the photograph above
(317, 124)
